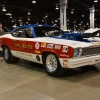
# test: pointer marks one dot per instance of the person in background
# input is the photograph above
(1, 30)
(1, 33)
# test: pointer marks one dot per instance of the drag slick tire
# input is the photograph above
(52, 65)
(8, 57)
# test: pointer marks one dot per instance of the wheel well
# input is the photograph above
(47, 52)
(4, 46)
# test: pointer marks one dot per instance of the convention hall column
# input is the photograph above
(63, 14)
(92, 17)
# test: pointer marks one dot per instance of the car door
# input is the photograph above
(24, 44)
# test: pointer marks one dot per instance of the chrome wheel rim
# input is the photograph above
(6, 54)
(51, 63)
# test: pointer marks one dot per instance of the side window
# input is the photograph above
(28, 33)
(23, 33)
(16, 33)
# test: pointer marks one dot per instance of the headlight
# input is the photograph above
(77, 52)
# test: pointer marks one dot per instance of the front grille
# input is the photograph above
(91, 50)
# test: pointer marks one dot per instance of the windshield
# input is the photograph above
(47, 31)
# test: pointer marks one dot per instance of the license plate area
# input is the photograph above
(97, 61)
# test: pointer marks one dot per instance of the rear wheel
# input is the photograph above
(8, 57)
(52, 65)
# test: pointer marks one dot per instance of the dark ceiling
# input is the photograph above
(20, 8)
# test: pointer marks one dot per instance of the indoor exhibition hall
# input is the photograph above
(49, 49)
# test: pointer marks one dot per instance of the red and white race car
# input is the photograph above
(50, 46)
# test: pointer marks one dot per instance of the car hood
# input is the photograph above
(72, 43)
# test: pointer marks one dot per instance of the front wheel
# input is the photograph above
(52, 65)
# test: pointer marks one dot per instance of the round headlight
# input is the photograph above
(76, 52)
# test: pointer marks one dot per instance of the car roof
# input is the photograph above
(33, 25)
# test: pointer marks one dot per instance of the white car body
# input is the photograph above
(70, 53)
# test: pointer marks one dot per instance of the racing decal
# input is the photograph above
(38, 58)
(67, 37)
(65, 49)
(57, 47)
(23, 45)
(17, 45)
(50, 46)
(64, 55)
(37, 46)
(22, 53)
(36, 51)
(29, 46)
(43, 45)
(71, 37)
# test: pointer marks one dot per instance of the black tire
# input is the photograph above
(8, 57)
(58, 70)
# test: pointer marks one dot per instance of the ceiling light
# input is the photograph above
(46, 16)
(74, 22)
(87, 24)
(12, 21)
(33, 1)
(42, 20)
(82, 15)
(95, 0)
(29, 13)
(15, 25)
(72, 12)
(26, 22)
(56, 20)
(55, 24)
(57, 8)
(3, 9)
(8, 14)
(28, 18)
